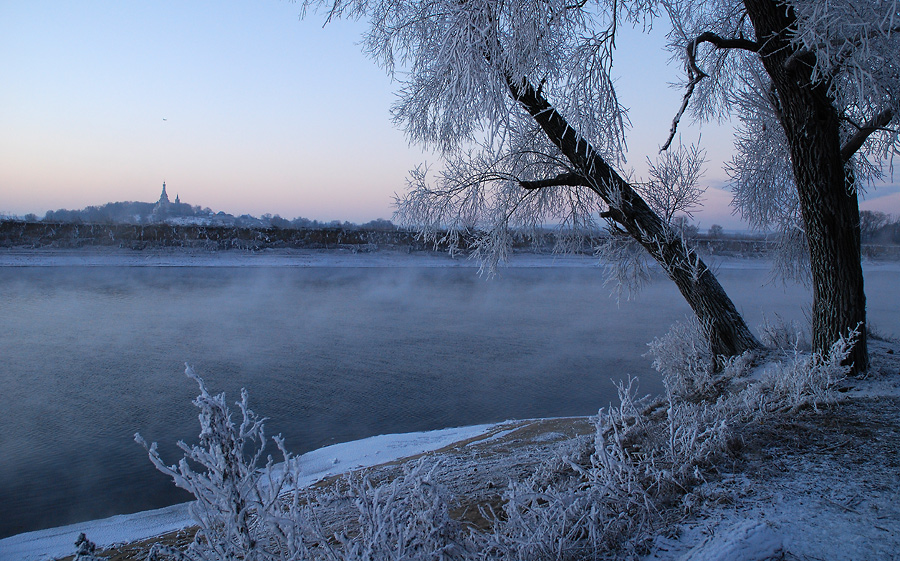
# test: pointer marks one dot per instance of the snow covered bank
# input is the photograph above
(315, 465)
(809, 485)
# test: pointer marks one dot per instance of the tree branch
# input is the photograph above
(570, 179)
(615, 215)
(722, 43)
(855, 142)
(695, 74)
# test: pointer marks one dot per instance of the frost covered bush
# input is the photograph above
(244, 510)
(682, 356)
(606, 495)
(619, 488)
(806, 379)
(613, 493)
(776, 334)
(85, 549)
(405, 519)
(579, 506)
(255, 512)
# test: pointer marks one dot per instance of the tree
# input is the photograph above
(477, 79)
(814, 84)
(871, 222)
(815, 87)
(715, 231)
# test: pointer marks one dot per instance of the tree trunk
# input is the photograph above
(828, 200)
(723, 326)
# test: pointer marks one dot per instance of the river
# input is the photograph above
(90, 355)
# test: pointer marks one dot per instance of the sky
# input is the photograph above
(241, 106)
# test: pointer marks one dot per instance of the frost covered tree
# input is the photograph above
(518, 98)
(815, 84)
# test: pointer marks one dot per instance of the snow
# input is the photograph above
(748, 540)
(787, 521)
(315, 465)
(827, 493)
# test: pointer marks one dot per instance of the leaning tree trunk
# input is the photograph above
(828, 201)
(723, 326)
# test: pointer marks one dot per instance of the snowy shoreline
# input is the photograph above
(337, 459)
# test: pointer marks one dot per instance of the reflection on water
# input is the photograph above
(91, 355)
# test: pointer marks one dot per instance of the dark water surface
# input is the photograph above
(89, 356)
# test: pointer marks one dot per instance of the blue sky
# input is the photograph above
(241, 106)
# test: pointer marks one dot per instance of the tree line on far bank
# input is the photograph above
(138, 213)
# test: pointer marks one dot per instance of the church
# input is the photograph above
(164, 198)
(166, 209)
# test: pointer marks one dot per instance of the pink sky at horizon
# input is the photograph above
(241, 107)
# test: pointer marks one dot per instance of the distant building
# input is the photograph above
(163, 208)
(164, 199)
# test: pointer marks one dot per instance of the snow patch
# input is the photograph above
(749, 540)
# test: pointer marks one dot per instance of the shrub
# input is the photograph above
(683, 357)
(777, 334)
(253, 513)
(243, 512)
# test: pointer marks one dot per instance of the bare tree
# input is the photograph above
(815, 85)
(870, 222)
(477, 79)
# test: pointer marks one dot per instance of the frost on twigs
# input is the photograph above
(255, 512)
(476, 203)
(406, 518)
(244, 510)
(626, 264)
(682, 356)
(674, 184)
(672, 192)
(776, 334)
(803, 379)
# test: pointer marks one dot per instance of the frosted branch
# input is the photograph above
(570, 179)
(695, 75)
(875, 124)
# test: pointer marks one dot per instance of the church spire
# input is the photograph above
(164, 199)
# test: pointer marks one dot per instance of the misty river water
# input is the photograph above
(89, 356)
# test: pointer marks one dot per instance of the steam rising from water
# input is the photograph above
(91, 355)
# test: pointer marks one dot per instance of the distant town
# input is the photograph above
(166, 211)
